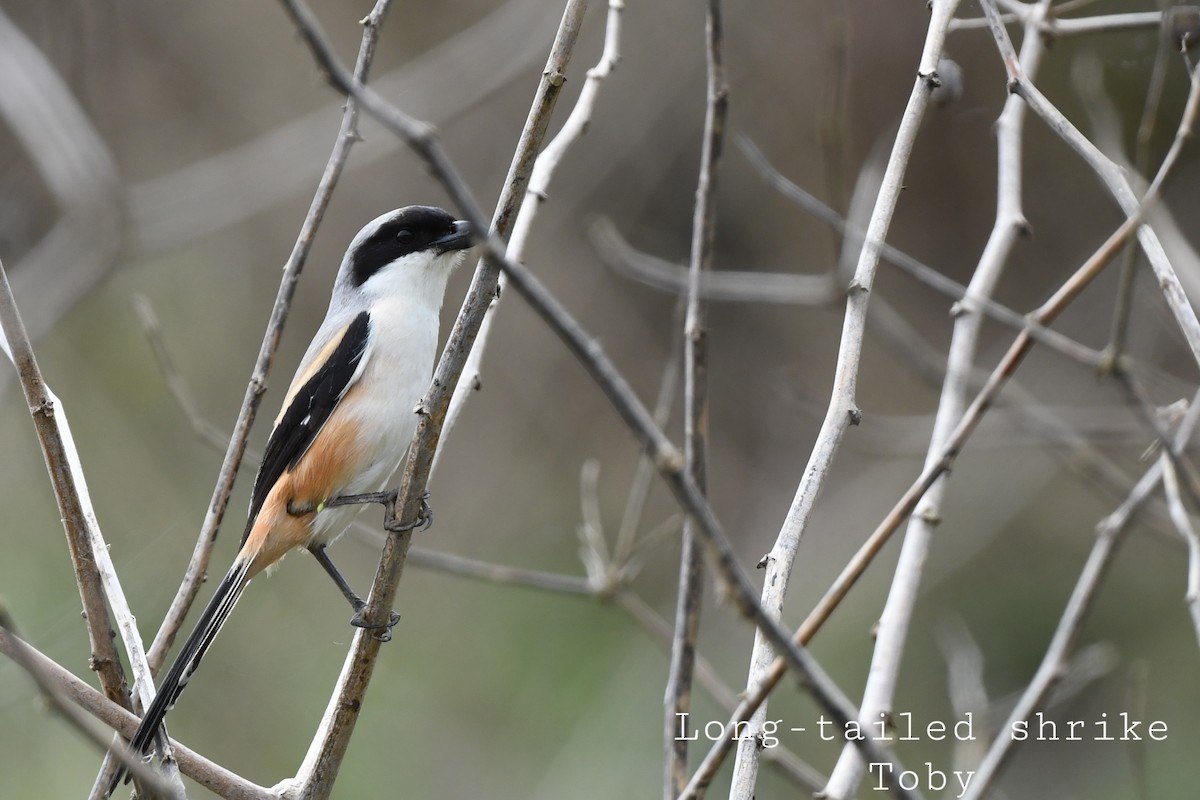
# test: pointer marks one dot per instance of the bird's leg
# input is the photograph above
(318, 551)
(385, 629)
(388, 501)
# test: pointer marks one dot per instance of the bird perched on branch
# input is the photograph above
(347, 418)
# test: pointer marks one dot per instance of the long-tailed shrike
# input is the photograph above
(347, 417)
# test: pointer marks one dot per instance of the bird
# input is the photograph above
(346, 420)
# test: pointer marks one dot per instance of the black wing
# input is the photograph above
(310, 409)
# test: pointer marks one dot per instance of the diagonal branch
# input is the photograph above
(153, 785)
(320, 766)
(535, 193)
(94, 572)
(892, 628)
(209, 774)
(756, 694)
(202, 553)
(1109, 534)
(843, 410)
(1112, 176)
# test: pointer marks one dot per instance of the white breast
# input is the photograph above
(398, 368)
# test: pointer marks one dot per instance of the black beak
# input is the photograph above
(459, 238)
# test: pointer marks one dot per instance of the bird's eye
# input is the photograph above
(404, 236)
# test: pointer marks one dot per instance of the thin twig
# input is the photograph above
(1183, 524)
(151, 784)
(678, 701)
(757, 693)
(1123, 304)
(1056, 27)
(891, 632)
(639, 485)
(1113, 176)
(717, 285)
(1109, 534)
(495, 573)
(536, 192)
(78, 693)
(842, 411)
(215, 511)
(205, 430)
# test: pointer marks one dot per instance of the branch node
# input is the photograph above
(856, 415)
(930, 516)
(555, 78)
(668, 460)
(44, 408)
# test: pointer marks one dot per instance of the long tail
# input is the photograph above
(210, 622)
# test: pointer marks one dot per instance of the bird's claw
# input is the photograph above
(381, 631)
(421, 523)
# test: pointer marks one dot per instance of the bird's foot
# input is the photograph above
(381, 631)
(421, 523)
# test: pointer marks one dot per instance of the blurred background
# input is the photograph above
(180, 170)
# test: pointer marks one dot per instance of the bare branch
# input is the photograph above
(75, 691)
(152, 785)
(842, 411)
(94, 572)
(1113, 177)
(536, 193)
(695, 412)
(1183, 522)
(1108, 536)
(215, 510)
(207, 432)
(892, 628)
(725, 286)
(757, 693)
(1056, 27)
